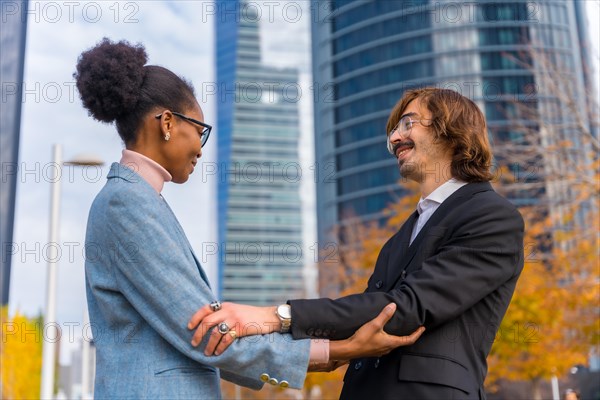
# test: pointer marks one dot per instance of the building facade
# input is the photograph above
(259, 209)
(367, 53)
(12, 48)
(76, 381)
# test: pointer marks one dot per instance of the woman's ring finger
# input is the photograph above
(215, 305)
(223, 328)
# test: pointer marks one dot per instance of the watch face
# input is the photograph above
(284, 311)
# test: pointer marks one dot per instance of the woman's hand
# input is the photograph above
(371, 340)
(242, 320)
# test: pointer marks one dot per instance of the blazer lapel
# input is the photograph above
(402, 258)
(199, 266)
(123, 172)
(400, 246)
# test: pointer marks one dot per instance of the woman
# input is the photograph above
(143, 280)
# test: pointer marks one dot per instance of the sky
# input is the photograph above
(178, 35)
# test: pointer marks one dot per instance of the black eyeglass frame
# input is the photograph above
(205, 133)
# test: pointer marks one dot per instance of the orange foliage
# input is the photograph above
(552, 322)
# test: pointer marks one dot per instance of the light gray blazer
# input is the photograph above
(143, 283)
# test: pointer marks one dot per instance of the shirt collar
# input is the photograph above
(440, 194)
(152, 172)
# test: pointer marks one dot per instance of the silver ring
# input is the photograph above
(223, 328)
(215, 305)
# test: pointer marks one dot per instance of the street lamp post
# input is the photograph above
(85, 362)
(50, 326)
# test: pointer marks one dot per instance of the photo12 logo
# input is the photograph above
(252, 11)
(51, 172)
(54, 12)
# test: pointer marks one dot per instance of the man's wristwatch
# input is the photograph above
(284, 313)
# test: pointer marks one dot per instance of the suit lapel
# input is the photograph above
(199, 266)
(400, 246)
(400, 259)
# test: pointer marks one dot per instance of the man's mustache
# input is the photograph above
(409, 143)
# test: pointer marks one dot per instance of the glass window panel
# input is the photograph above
(383, 77)
(371, 9)
(395, 26)
(364, 130)
(363, 155)
(386, 52)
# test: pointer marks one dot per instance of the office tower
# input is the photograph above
(367, 53)
(76, 381)
(259, 210)
(12, 47)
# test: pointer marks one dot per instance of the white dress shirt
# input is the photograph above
(427, 206)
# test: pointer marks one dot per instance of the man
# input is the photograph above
(452, 267)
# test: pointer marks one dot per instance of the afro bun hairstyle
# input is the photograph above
(116, 85)
(109, 77)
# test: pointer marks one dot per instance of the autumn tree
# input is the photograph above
(552, 322)
(21, 356)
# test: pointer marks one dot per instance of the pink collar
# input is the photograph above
(147, 168)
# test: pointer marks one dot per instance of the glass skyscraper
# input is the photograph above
(259, 210)
(12, 48)
(367, 53)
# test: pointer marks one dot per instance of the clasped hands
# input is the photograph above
(244, 320)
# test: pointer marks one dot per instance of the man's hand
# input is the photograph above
(242, 320)
(371, 340)
(332, 365)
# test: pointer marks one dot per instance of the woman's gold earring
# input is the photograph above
(168, 136)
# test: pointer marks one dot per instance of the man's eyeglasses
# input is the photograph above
(205, 132)
(403, 127)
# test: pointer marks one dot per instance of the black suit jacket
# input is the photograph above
(456, 279)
